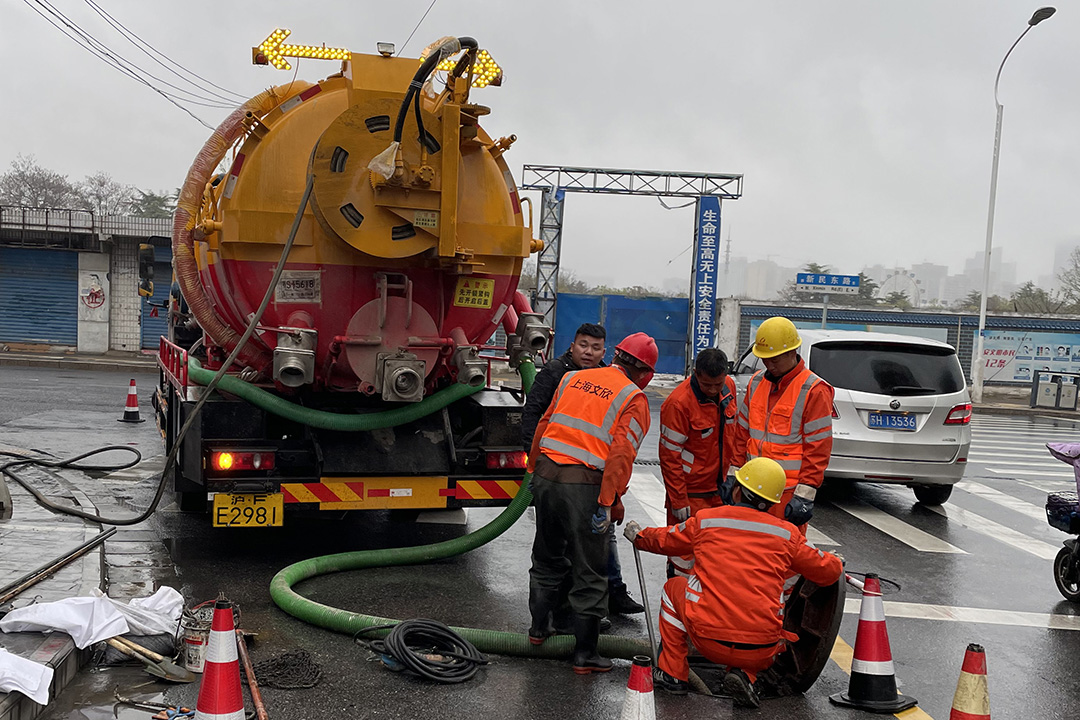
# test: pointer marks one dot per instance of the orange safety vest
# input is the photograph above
(586, 407)
(778, 433)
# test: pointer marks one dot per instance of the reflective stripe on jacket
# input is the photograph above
(790, 423)
(742, 558)
(691, 434)
(584, 411)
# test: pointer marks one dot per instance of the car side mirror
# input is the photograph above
(146, 263)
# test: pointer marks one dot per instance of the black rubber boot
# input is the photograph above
(564, 623)
(586, 659)
(620, 602)
(738, 686)
(541, 602)
(669, 684)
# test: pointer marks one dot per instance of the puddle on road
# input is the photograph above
(90, 695)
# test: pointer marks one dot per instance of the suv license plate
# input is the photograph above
(892, 421)
(248, 510)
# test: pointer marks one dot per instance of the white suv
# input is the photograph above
(902, 412)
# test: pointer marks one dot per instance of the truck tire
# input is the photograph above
(932, 494)
(191, 502)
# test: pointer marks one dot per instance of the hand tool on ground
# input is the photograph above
(645, 602)
(253, 685)
(167, 663)
(166, 670)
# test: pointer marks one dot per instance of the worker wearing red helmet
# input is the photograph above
(786, 415)
(582, 456)
(697, 436)
(731, 607)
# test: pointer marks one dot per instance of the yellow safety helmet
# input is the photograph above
(776, 336)
(764, 477)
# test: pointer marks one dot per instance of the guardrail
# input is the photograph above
(173, 361)
(73, 221)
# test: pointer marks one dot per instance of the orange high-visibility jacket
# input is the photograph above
(597, 418)
(743, 558)
(692, 430)
(790, 422)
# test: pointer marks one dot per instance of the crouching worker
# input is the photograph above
(729, 608)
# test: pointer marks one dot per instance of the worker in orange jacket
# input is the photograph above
(582, 457)
(786, 415)
(697, 436)
(730, 608)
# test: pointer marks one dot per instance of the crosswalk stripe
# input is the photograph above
(648, 491)
(1011, 452)
(1022, 463)
(1005, 500)
(1036, 473)
(1048, 486)
(986, 616)
(997, 531)
(895, 527)
(819, 538)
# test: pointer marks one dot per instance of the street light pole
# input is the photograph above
(978, 363)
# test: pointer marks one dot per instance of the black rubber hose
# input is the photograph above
(428, 648)
(426, 68)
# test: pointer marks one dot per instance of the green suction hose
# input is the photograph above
(329, 420)
(344, 621)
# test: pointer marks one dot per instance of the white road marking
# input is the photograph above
(1021, 463)
(997, 531)
(1048, 486)
(43, 528)
(819, 538)
(895, 527)
(947, 613)
(648, 491)
(1036, 473)
(1005, 500)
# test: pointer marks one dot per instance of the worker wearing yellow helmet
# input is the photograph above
(786, 414)
(730, 608)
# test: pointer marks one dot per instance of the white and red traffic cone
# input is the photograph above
(638, 704)
(131, 409)
(972, 699)
(220, 695)
(873, 678)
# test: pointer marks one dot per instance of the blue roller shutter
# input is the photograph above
(39, 295)
(154, 327)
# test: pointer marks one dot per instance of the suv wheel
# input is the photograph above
(932, 494)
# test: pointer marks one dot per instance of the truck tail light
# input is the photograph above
(959, 415)
(233, 460)
(512, 460)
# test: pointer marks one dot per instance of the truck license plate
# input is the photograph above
(248, 510)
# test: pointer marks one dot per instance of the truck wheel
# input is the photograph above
(932, 494)
(191, 502)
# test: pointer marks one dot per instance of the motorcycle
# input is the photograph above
(1063, 513)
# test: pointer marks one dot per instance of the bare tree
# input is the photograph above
(105, 196)
(27, 183)
(1070, 277)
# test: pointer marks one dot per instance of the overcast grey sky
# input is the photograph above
(864, 129)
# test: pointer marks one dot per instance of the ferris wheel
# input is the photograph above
(903, 281)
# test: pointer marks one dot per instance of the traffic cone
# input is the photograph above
(638, 703)
(972, 699)
(131, 410)
(220, 696)
(873, 679)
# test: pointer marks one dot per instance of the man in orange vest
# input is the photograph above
(582, 456)
(786, 415)
(730, 608)
(697, 436)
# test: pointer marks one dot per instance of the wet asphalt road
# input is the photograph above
(986, 561)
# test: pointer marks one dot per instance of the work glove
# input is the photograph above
(601, 521)
(630, 532)
(727, 490)
(681, 514)
(799, 510)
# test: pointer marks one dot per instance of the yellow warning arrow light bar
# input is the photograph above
(272, 52)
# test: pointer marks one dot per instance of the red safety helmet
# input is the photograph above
(642, 348)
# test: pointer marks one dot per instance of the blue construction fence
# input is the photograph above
(665, 319)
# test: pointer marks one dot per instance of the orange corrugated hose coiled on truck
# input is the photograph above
(183, 240)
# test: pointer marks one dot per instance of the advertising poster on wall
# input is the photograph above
(1013, 355)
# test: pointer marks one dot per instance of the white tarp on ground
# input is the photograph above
(30, 678)
(90, 619)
